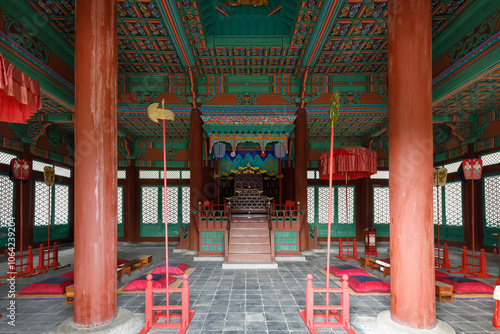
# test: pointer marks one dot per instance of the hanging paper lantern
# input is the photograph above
(279, 150)
(219, 150)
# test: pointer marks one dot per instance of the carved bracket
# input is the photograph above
(469, 132)
(146, 97)
(247, 98)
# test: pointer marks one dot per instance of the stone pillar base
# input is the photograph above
(384, 324)
(125, 322)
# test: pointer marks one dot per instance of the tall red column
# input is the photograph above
(410, 164)
(96, 166)
(196, 180)
(300, 174)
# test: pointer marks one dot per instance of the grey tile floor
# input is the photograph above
(243, 301)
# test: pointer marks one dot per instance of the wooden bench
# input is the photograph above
(131, 265)
(70, 294)
(444, 290)
(365, 262)
(147, 260)
(119, 273)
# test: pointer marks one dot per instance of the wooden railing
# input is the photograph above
(312, 237)
(184, 237)
(285, 226)
(211, 222)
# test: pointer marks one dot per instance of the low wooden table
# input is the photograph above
(444, 290)
(386, 270)
(119, 273)
(365, 262)
(70, 294)
(131, 265)
(147, 260)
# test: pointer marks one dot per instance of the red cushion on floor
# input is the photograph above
(139, 284)
(347, 269)
(173, 269)
(364, 284)
(464, 285)
(49, 286)
(69, 274)
(441, 274)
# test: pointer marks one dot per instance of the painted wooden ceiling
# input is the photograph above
(254, 59)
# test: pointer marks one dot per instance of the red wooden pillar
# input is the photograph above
(96, 66)
(301, 170)
(132, 199)
(410, 164)
(196, 180)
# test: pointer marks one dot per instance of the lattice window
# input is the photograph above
(491, 159)
(453, 203)
(173, 204)
(311, 174)
(149, 208)
(171, 174)
(438, 204)
(342, 207)
(310, 205)
(61, 171)
(381, 174)
(38, 165)
(149, 174)
(323, 205)
(122, 174)
(186, 206)
(5, 158)
(42, 203)
(6, 201)
(453, 166)
(61, 204)
(119, 209)
(492, 201)
(381, 205)
(186, 174)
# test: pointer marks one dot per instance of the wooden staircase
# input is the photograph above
(249, 240)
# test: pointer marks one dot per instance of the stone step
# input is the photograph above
(252, 225)
(249, 248)
(244, 232)
(249, 257)
(245, 240)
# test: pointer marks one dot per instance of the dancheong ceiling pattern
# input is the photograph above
(221, 40)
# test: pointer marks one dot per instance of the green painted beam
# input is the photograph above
(441, 118)
(249, 128)
(464, 77)
(322, 22)
(41, 28)
(178, 29)
(464, 24)
(215, 41)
